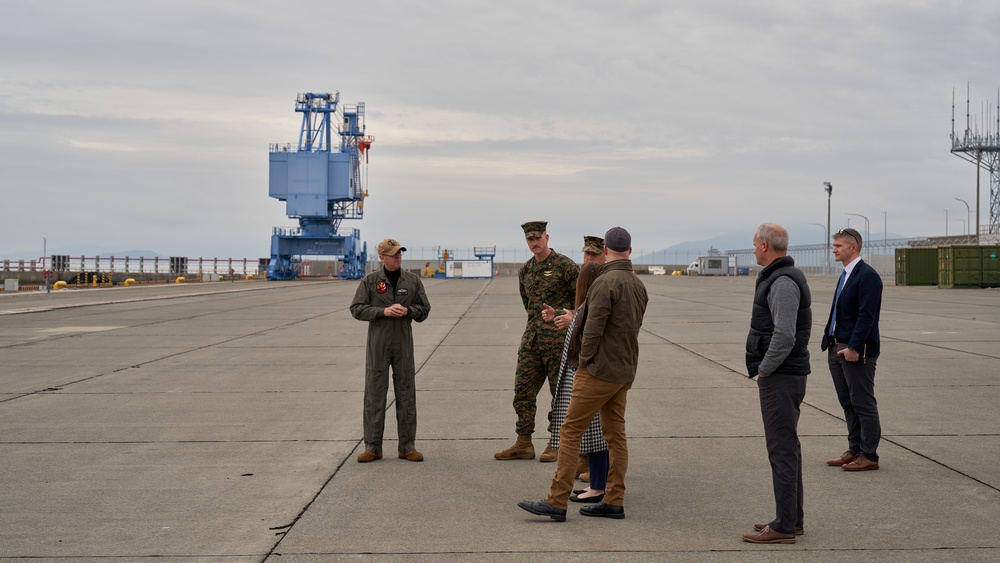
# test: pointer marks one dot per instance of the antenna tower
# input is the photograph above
(980, 145)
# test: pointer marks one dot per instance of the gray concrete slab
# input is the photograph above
(219, 422)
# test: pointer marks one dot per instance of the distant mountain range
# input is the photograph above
(688, 251)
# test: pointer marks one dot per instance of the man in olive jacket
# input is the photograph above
(390, 299)
(609, 354)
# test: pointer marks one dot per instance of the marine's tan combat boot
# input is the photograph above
(522, 449)
(549, 455)
(582, 466)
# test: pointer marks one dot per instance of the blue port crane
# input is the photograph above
(321, 184)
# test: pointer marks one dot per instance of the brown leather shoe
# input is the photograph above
(367, 455)
(412, 455)
(861, 463)
(767, 535)
(845, 458)
(799, 530)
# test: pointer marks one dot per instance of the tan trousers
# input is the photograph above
(591, 395)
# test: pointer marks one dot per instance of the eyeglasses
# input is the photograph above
(849, 233)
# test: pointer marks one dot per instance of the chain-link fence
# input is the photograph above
(817, 259)
(814, 259)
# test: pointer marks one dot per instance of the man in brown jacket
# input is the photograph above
(609, 355)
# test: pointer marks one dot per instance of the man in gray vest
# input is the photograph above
(777, 353)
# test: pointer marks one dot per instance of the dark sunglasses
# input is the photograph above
(849, 233)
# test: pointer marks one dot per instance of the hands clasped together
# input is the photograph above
(562, 321)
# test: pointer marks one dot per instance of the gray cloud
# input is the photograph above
(146, 125)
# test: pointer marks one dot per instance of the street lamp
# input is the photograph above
(866, 231)
(829, 195)
(45, 271)
(822, 226)
(968, 217)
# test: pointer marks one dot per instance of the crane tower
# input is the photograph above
(980, 145)
(321, 184)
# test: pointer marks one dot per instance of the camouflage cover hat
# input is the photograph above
(389, 247)
(534, 229)
(593, 245)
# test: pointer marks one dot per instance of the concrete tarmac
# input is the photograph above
(220, 422)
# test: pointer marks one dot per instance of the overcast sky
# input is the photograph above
(145, 125)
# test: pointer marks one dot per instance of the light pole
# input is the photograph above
(45, 253)
(829, 195)
(822, 226)
(945, 222)
(866, 231)
(968, 217)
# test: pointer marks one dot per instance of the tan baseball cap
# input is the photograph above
(389, 247)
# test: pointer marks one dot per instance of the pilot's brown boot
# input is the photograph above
(522, 449)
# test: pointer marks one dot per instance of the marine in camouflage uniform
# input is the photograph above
(546, 278)
(593, 249)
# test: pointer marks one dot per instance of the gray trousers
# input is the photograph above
(855, 386)
(403, 386)
(780, 399)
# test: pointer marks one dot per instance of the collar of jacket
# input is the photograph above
(616, 265)
(777, 263)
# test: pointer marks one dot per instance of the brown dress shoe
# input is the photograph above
(366, 456)
(767, 535)
(799, 530)
(861, 463)
(846, 457)
(412, 455)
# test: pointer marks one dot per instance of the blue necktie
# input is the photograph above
(836, 298)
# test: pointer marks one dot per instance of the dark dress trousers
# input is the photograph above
(782, 390)
(857, 311)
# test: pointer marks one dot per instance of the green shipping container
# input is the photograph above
(916, 266)
(991, 266)
(968, 266)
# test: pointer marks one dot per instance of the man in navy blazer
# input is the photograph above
(851, 338)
